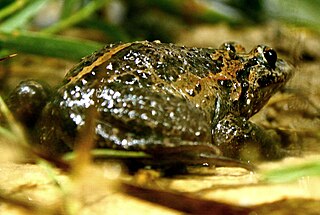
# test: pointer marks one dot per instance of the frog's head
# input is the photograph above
(256, 77)
(263, 74)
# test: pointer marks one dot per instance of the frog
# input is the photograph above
(171, 101)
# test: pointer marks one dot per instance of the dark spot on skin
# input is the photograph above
(229, 47)
(197, 87)
(218, 64)
(250, 63)
(232, 55)
(266, 80)
(243, 75)
(160, 85)
(244, 92)
(225, 83)
(191, 92)
(127, 79)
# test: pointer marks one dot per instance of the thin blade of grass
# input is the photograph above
(7, 57)
(68, 8)
(110, 153)
(23, 16)
(46, 45)
(12, 8)
(77, 17)
(16, 131)
(292, 173)
(85, 142)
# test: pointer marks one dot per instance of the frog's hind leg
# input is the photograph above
(169, 157)
(169, 128)
(142, 118)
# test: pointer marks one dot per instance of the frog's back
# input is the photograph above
(165, 68)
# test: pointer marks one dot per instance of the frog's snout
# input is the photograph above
(284, 70)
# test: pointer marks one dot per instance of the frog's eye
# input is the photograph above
(271, 56)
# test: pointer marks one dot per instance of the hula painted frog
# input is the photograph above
(160, 98)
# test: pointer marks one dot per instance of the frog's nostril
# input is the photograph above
(271, 57)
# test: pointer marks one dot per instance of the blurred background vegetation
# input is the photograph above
(58, 28)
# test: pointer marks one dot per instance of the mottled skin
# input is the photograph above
(164, 98)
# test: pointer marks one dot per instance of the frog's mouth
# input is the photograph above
(278, 76)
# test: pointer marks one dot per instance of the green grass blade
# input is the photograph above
(12, 8)
(46, 45)
(79, 16)
(69, 7)
(23, 16)
(110, 153)
(292, 173)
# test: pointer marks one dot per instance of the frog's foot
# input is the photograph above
(239, 138)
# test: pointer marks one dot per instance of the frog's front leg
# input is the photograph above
(239, 138)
